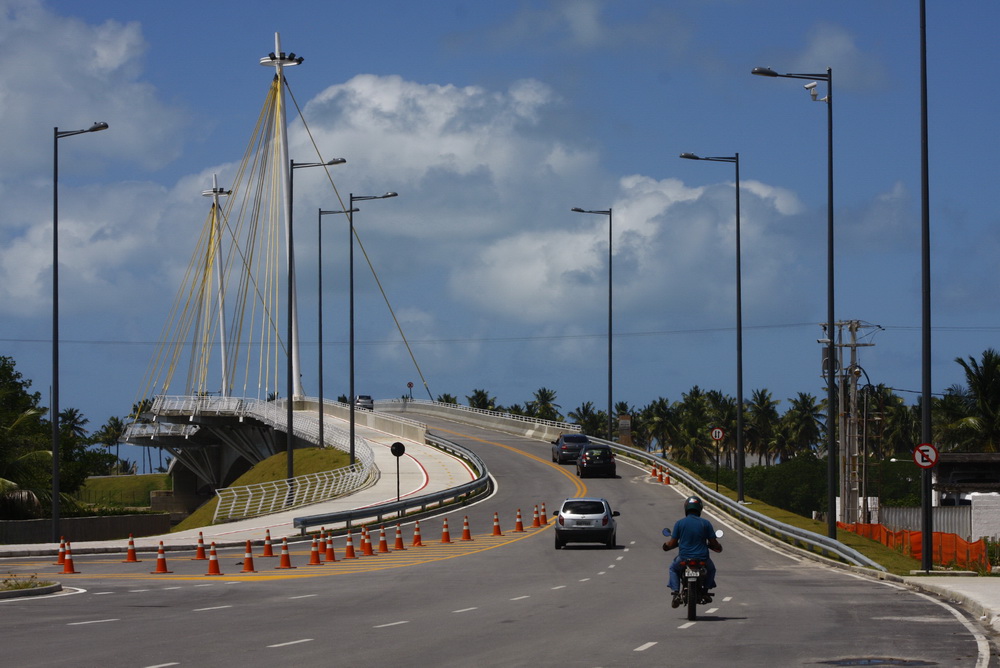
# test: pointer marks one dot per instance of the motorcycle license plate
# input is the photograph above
(691, 573)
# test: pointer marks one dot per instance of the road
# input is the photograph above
(510, 600)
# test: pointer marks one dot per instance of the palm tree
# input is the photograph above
(983, 381)
(693, 439)
(446, 399)
(544, 407)
(660, 423)
(802, 424)
(590, 421)
(722, 413)
(482, 400)
(23, 471)
(761, 426)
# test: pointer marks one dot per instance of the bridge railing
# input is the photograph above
(482, 483)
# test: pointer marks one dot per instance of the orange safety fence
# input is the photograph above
(949, 549)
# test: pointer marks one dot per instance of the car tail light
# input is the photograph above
(560, 519)
(604, 521)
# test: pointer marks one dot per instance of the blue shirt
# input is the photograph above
(692, 534)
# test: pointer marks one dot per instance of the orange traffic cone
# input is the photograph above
(130, 557)
(519, 523)
(399, 539)
(417, 541)
(349, 547)
(496, 525)
(286, 561)
(366, 543)
(161, 561)
(466, 534)
(666, 477)
(330, 556)
(199, 553)
(268, 550)
(544, 518)
(534, 522)
(248, 560)
(62, 552)
(314, 555)
(383, 546)
(653, 472)
(445, 534)
(68, 561)
(213, 561)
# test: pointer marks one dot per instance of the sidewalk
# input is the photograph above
(422, 470)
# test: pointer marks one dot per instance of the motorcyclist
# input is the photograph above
(695, 536)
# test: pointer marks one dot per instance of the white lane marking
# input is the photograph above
(519, 598)
(207, 584)
(602, 572)
(136, 591)
(643, 648)
(464, 610)
(292, 598)
(687, 625)
(168, 589)
(234, 582)
(727, 599)
(560, 587)
(93, 621)
(383, 626)
(585, 580)
(102, 593)
(163, 665)
(711, 611)
(983, 661)
(217, 607)
(619, 558)
(284, 644)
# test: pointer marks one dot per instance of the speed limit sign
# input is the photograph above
(718, 433)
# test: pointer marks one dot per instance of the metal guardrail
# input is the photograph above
(794, 535)
(482, 483)
(479, 411)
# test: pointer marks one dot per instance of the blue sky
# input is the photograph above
(501, 118)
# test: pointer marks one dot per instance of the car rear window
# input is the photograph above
(597, 452)
(584, 508)
(578, 438)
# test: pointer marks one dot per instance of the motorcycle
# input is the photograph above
(693, 581)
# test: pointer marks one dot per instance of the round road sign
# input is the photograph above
(397, 449)
(925, 455)
(718, 433)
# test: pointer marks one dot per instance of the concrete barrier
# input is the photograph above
(79, 529)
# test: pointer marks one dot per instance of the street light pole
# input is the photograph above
(740, 446)
(350, 220)
(291, 345)
(831, 348)
(56, 136)
(607, 212)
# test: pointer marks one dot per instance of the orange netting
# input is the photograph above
(949, 549)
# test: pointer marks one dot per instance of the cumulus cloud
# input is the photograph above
(831, 45)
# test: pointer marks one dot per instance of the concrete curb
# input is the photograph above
(34, 591)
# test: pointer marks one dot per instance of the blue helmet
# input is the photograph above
(693, 504)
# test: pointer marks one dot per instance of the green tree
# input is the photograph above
(761, 424)
(981, 427)
(446, 399)
(802, 424)
(694, 442)
(482, 400)
(590, 420)
(543, 406)
(660, 423)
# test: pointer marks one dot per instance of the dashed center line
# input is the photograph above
(643, 648)
(559, 587)
(292, 598)
(93, 621)
(464, 610)
(290, 642)
(217, 607)
(383, 626)
(519, 598)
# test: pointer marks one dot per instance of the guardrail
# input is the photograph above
(785, 532)
(482, 483)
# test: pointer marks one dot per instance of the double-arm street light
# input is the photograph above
(740, 448)
(831, 348)
(58, 134)
(350, 222)
(606, 212)
(292, 344)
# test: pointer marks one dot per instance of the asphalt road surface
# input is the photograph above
(510, 600)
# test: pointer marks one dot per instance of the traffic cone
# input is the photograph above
(268, 550)
(248, 560)
(213, 561)
(161, 561)
(366, 543)
(286, 561)
(314, 555)
(666, 477)
(534, 521)
(519, 523)
(445, 534)
(660, 476)
(62, 552)
(130, 557)
(399, 539)
(330, 556)
(383, 546)
(544, 518)
(199, 553)
(496, 525)
(466, 534)
(653, 472)
(417, 541)
(68, 561)
(349, 547)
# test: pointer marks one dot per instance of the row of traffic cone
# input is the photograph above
(661, 473)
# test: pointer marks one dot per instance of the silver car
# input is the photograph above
(586, 520)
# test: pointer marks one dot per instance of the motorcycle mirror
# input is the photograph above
(718, 533)
(666, 532)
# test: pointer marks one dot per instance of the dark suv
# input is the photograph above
(567, 447)
(596, 459)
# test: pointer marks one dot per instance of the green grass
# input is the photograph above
(307, 460)
(122, 490)
(15, 582)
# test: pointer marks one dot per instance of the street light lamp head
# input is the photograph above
(98, 126)
(690, 156)
(578, 209)
(336, 161)
(764, 72)
(390, 194)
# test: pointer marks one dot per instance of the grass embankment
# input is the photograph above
(305, 461)
(894, 562)
(123, 490)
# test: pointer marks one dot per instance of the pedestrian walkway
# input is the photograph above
(422, 469)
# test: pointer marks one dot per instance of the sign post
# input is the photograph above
(718, 433)
(397, 449)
